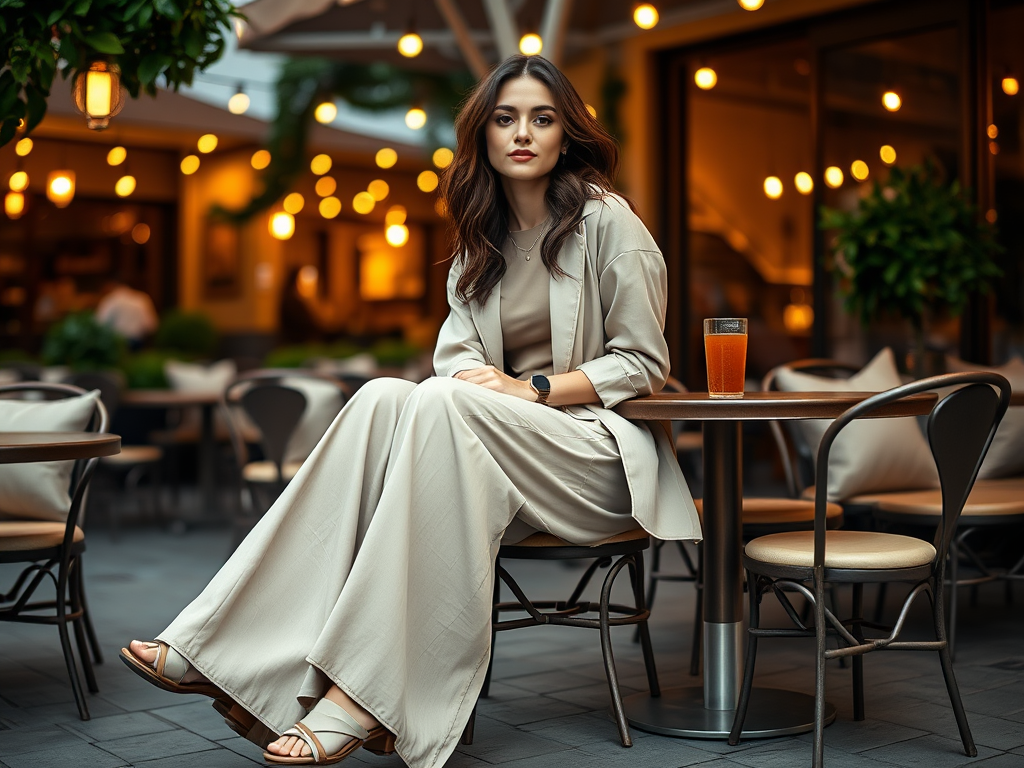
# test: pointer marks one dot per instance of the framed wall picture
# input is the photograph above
(222, 261)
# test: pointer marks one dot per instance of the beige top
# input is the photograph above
(526, 306)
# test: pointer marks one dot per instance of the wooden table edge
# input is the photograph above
(88, 445)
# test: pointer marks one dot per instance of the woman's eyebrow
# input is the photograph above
(510, 108)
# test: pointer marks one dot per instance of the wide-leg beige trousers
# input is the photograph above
(374, 569)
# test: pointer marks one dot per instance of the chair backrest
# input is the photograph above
(83, 468)
(796, 455)
(274, 407)
(960, 430)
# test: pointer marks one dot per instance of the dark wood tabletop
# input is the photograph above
(759, 406)
(21, 447)
(167, 398)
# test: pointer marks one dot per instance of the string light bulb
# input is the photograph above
(887, 154)
(773, 187)
(379, 189)
(207, 143)
(326, 186)
(859, 170)
(386, 157)
(60, 188)
(239, 103)
(260, 159)
(124, 186)
(415, 118)
(294, 203)
(325, 112)
(645, 16)
(18, 181)
(892, 101)
(116, 156)
(804, 183)
(23, 147)
(320, 164)
(330, 207)
(189, 164)
(442, 157)
(1010, 85)
(397, 235)
(427, 181)
(14, 204)
(750, 5)
(530, 44)
(282, 225)
(706, 78)
(363, 202)
(396, 215)
(410, 45)
(834, 176)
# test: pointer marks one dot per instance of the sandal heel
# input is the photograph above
(381, 744)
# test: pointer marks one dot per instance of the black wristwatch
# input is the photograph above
(541, 386)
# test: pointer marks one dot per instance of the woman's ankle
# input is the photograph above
(345, 701)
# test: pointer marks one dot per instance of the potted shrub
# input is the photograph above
(914, 247)
(82, 344)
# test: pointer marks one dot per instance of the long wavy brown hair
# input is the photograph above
(472, 192)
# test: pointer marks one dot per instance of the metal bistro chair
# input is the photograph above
(960, 429)
(54, 550)
(622, 551)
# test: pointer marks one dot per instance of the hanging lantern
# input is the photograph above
(98, 93)
(60, 188)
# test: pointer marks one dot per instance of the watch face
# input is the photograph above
(540, 382)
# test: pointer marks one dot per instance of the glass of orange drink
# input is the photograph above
(725, 345)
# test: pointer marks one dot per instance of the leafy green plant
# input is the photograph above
(393, 353)
(914, 246)
(82, 343)
(187, 334)
(147, 39)
(145, 370)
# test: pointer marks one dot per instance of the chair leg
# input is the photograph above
(65, 644)
(486, 690)
(945, 658)
(75, 586)
(819, 672)
(90, 633)
(609, 658)
(858, 661)
(748, 665)
(636, 575)
(698, 615)
(467, 732)
(954, 576)
(652, 584)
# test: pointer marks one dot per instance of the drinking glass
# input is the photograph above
(725, 345)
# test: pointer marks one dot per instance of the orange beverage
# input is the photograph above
(725, 345)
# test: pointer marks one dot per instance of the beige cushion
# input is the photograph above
(870, 454)
(135, 454)
(542, 539)
(1005, 456)
(18, 536)
(205, 379)
(39, 490)
(988, 497)
(266, 472)
(843, 549)
(764, 511)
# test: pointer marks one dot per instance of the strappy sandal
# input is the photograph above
(332, 734)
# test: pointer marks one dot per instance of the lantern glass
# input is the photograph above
(98, 93)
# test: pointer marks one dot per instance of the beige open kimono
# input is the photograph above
(374, 569)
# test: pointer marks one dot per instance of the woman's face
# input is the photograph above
(524, 132)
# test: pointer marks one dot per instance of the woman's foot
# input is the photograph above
(149, 652)
(290, 746)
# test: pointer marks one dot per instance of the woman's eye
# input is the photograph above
(543, 120)
(504, 120)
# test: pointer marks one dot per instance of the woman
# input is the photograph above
(366, 589)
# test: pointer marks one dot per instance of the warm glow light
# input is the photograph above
(530, 44)
(379, 189)
(415, 118)
(443, 157)
(98, 87)
(396, 235)
(804, 183)
(427, 181)
(773, 187)
(14, 204)
(1010, 86)
(330, 207)
(797, 317)
(440, 208)
(326, 186)
(321, 164)
(23, 147)
(705, 78)
(19, 181)
(140, 233)
(189, 164)
(993, 147)
(326, 112)
(294, 203)
(888, 154)
(363, 202)
(207, 143)
(116, 156)
(991, 215)
(309, 277)
(260, 159)
(834, 176)
(124, 186)
(282, 225)
(410, 45)
(239, 103)
(396, 215)
(645, 16)
(859, 170)
(751, 5)
(891, 101)
(993, 131)
(591, 110)
(60, 188)
(386, 157)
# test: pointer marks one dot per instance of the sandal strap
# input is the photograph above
(169, 663)
(326, 717)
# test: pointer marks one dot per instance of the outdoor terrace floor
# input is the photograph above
(549, 701)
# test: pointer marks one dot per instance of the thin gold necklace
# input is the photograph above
(529, 250)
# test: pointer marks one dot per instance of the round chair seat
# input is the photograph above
(21, 535)
(861, 550)
(765, 511)
(266, 471)
(542, 539)
(984, 501)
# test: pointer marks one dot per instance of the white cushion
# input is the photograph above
(205, 379)
(39, 490)
(323, 403)
(1006, 454)
(870, 455)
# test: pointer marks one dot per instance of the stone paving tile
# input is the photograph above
(931, 751)
(853, 736)
(528, 710)
(198, 717)
(785, 753)
(217, 758)
(496, 742)
(79, 755)
(243, 747)
(23, 740)
(65, 712)
(1005, 760)
(136, 749)
(998, 702)
(117, 726)
(651, 751)
(995, 732)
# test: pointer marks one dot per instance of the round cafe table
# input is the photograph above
(707, 713)
(23, 447)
